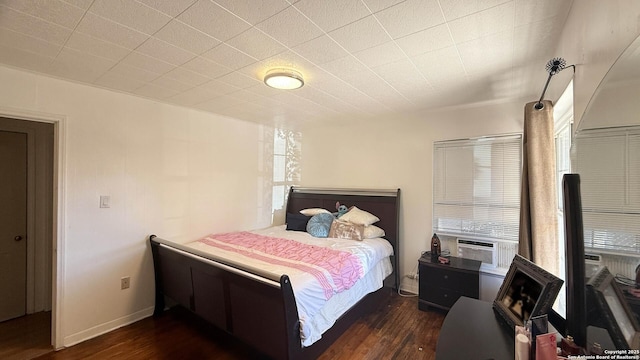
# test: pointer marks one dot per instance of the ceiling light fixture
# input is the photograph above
(284, 79)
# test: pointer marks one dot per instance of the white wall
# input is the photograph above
(594, 36)
(616, 106)
(398, 154)
(177, 173)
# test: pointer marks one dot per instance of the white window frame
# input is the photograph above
(563, 131)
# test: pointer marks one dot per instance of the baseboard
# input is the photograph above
(410, 286)
(107, 327)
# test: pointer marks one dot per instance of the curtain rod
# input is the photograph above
(553, 67)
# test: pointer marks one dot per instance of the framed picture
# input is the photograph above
(610, 303)
(527, 291)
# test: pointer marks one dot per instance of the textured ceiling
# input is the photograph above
(360, 58)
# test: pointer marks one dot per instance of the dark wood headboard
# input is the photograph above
(382, 203)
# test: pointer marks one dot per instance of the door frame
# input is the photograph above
(58, 212)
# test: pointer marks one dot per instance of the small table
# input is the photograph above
(471, 330)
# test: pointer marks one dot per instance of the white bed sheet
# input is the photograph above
(341, 302)
(316, 313)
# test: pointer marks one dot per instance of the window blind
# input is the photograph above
(608, 161)
(477, 187)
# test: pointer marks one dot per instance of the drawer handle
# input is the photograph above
(446, 276)
(446, 295)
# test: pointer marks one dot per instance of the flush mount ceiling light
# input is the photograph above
(284, 79)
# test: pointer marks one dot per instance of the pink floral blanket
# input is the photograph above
(335, 270)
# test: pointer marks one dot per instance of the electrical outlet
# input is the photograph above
(105, 201)
(125, 282)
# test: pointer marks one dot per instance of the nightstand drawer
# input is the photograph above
(446, 278)
(443, 297)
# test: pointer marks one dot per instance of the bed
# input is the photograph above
(256, 303)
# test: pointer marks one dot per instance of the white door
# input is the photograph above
(13, 224)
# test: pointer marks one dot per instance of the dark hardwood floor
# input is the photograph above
(25, 337)
(397, 330)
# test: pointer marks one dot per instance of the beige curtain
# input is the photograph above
(538, 204)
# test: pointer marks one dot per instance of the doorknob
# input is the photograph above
(17, 238)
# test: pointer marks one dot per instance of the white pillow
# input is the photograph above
(372, 232)
(314, 211)
(360, 217)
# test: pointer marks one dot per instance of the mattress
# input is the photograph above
(324, 286)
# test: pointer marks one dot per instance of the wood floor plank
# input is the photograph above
(25, 337)
(397, 330)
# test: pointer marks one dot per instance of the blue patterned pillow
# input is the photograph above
(320, 224)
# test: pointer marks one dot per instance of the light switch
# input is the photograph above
(105, 201)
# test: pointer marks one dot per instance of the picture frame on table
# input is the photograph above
(527, 291)
(609, 301)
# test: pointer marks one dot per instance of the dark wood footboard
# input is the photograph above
(260, 312)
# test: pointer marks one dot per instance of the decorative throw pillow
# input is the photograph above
(346, 230)
(297, 222)
(320, 224)
(372, 232)
(314, 211)
(360, 217)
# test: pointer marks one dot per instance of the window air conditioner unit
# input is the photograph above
(480, 250)
(592, 263)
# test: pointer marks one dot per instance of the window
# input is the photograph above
(563, 160)
(608, 161)
(477, 187)
(286, 160)
(563, 127)
(563, 121)
(279, 169)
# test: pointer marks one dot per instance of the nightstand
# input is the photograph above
(440, 285)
